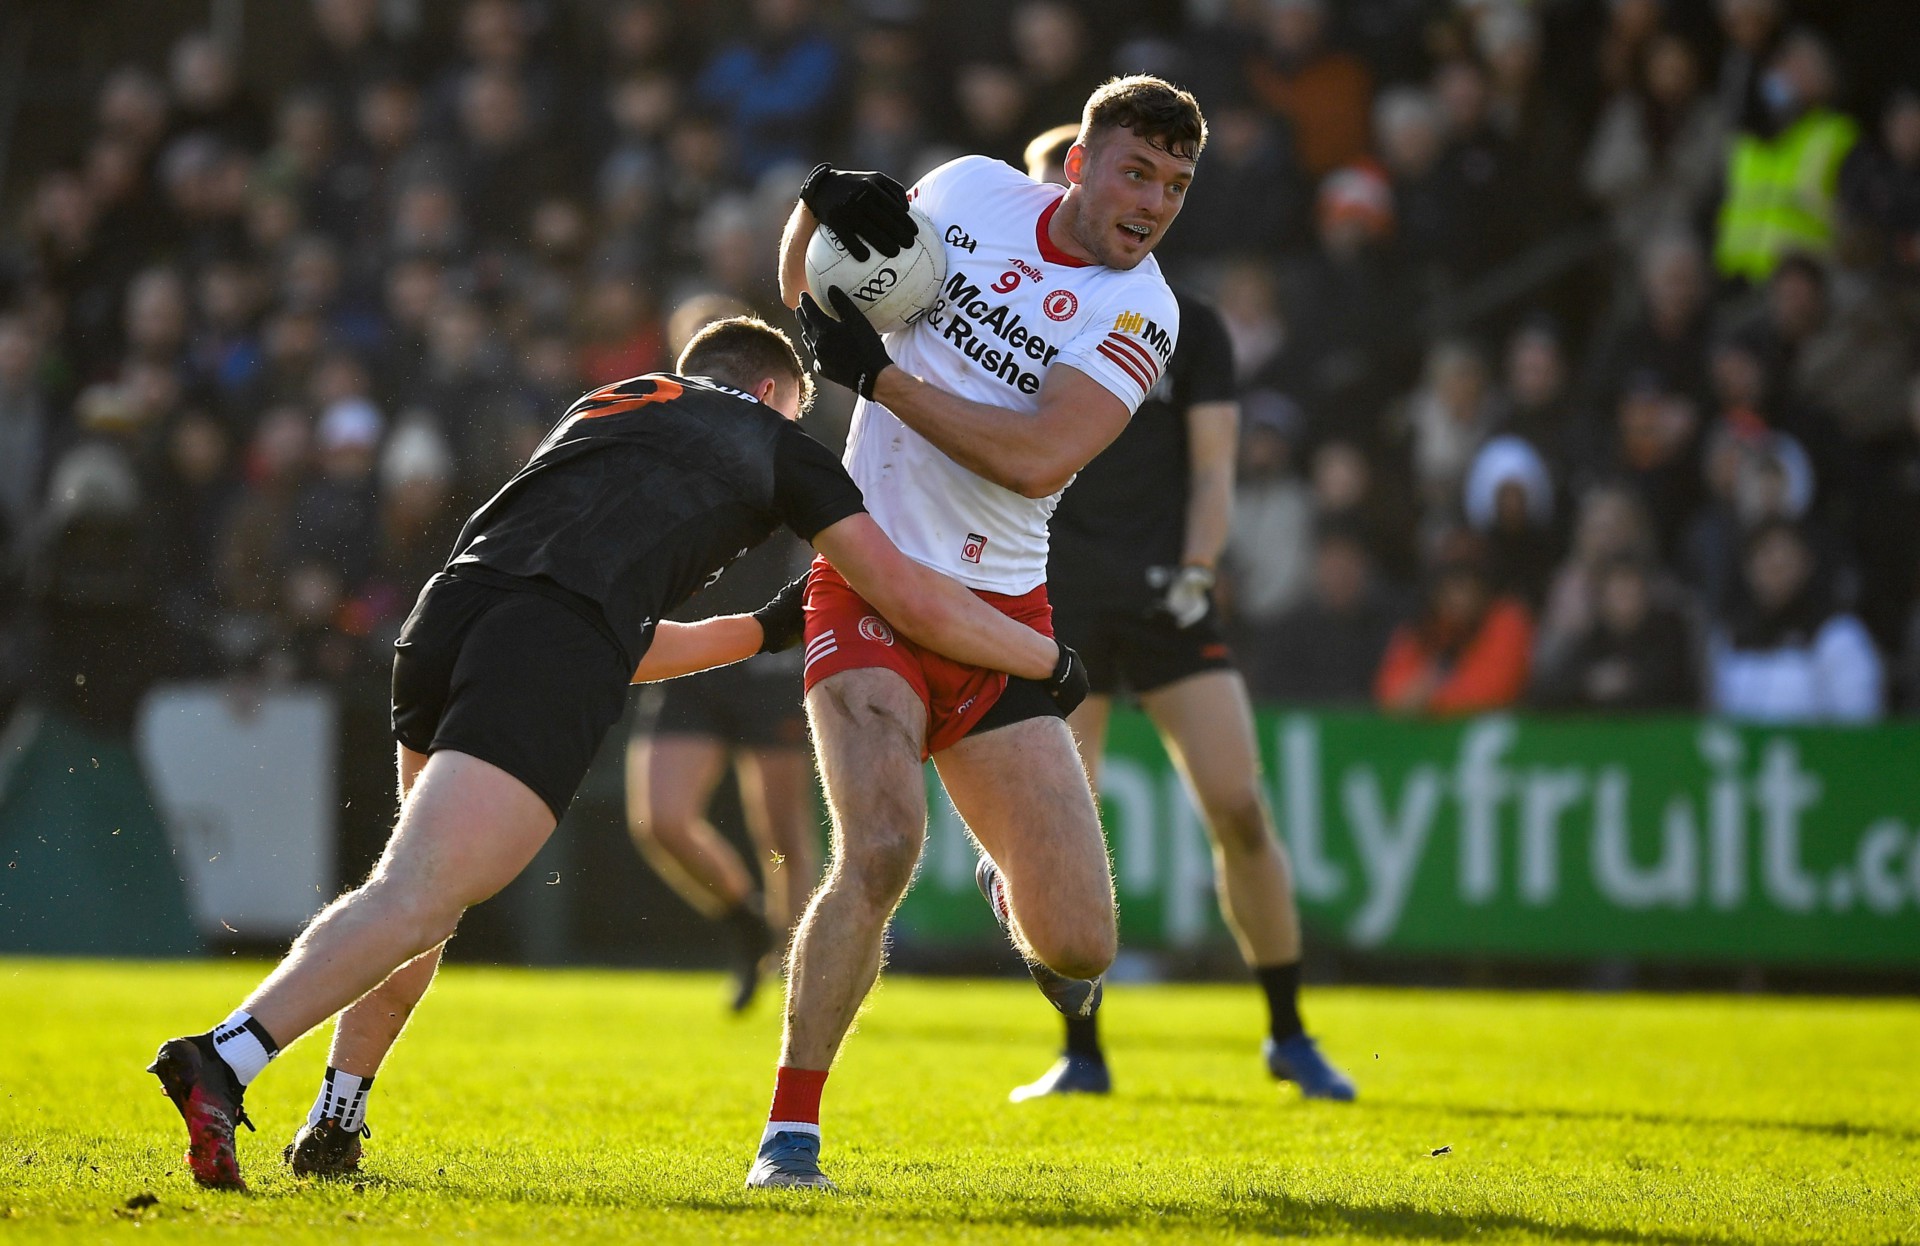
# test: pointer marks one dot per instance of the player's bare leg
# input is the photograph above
(670, 781)
(1024, 795)
(868, 726)
(1206, 723)
(1082, 1066)
(776, 795)
(466, 830)
(1089, 726)
(328, 1144)
(868, 729)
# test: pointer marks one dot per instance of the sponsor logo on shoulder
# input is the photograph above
(875, 628)
(959, 237)
(1060, 305)
(972, 549)
(1136, 324)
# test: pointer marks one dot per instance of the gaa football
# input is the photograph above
(893, 293)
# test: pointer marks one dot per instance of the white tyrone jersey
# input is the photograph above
(1013, 306)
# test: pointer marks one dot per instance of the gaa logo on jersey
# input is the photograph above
(875, 628)
(975, 546)
(1060, 305)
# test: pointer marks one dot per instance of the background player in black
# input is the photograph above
(514, 664)
(1134, 543)
(686, 733)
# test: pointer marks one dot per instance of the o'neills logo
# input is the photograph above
(875, 628)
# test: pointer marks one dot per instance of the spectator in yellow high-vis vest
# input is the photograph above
(1783, 169)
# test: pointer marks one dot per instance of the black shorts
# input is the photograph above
(1127, 650)
(514, 678)
(753, 704)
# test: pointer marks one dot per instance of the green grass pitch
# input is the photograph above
(621, 1106)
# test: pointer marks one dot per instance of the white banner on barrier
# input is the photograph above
(245, 780)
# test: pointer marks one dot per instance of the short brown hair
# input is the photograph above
(741, 351)
(1153, 108)
(1050, 147)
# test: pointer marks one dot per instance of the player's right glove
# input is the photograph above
(860, 209)
(1185, 592)
(783, 620)
(845, 348)
(1068, 684)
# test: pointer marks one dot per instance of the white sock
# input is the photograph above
(245, 1045)
(343, 1097)
(788, 1127)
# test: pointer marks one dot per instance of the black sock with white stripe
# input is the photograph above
(342, 1098)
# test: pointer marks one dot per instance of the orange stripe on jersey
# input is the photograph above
(622, 396)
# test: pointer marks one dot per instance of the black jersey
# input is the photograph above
(644, 491)
(1127, 510)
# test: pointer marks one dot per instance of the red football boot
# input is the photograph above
(208, 1096)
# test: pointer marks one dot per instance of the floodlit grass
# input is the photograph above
(577, 1105)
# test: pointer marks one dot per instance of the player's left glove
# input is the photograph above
(783, 620)
(1068, 684)
(845, 348)
(1185, 592)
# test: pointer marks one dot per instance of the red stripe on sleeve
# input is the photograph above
(1131, 347)
(1126, 365)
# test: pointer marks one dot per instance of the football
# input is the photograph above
(893, 293)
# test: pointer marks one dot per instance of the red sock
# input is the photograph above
(796, 1095)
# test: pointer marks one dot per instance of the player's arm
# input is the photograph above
(931, 609)
(1033, 455)
(684, 648)
(1213, 439)
(793, 254)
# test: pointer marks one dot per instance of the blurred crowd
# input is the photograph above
(1579, 340)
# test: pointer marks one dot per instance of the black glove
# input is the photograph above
(860, 208)
(1068, 684)
(783, 620)
(845, 350)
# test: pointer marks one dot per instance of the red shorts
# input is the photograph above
(844, 633)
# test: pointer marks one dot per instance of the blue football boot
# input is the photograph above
(788, 1161)
(1074, 997)
(1298, 1060)
(1071, 1074)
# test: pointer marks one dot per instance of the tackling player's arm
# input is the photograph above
(685, 648)
(682, 648)
(929, 608)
